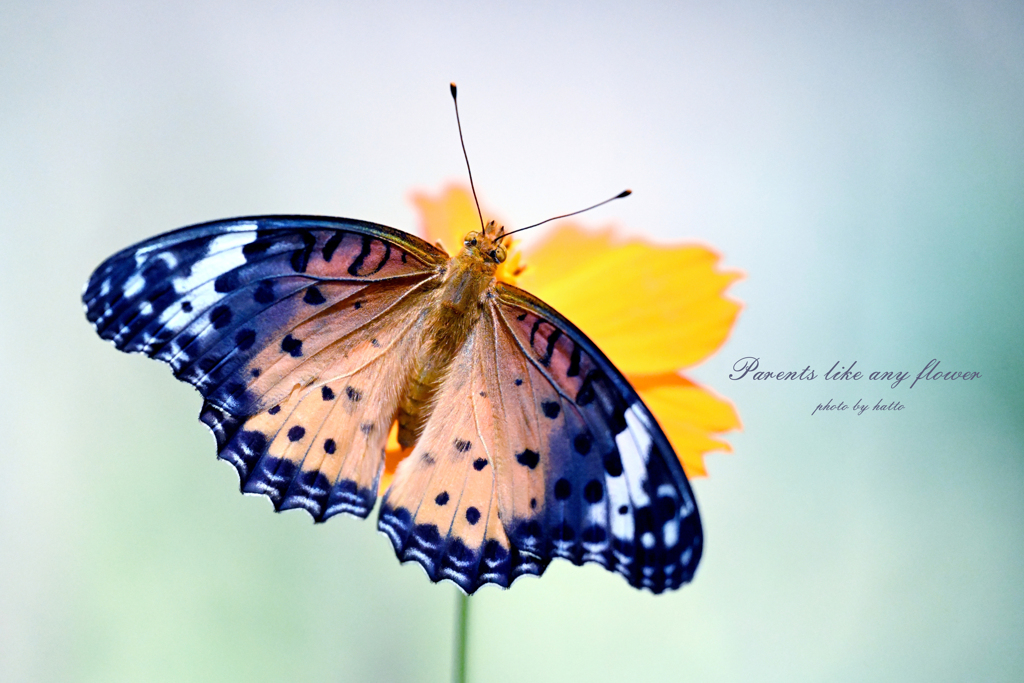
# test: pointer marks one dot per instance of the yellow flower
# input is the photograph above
(653, 310)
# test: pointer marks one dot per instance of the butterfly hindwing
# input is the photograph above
(292, 328)
(441, 510)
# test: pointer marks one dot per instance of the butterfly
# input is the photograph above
(308, 337)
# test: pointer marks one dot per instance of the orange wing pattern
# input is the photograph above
(535, 429)
(294, 329)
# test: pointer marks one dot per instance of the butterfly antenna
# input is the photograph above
(624, 193)
(455, 99)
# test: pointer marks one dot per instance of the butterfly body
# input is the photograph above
(308, 337)
(451, 313)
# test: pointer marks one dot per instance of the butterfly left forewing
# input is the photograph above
(298, 331)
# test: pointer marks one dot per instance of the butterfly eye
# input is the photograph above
(471, 239)
(498, 254)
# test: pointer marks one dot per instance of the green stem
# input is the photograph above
(461, 637)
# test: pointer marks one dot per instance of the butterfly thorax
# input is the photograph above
(452, 312)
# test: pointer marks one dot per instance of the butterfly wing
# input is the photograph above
(534, 428)
(442, 507)
(296, 330)
(609, 487)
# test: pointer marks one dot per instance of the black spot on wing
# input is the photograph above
(258, 248)
(533, 330)
(588, 392)
(313, 297)
(264, 292)
(300, 257)
(574, 361)
(226, 282)
(553, 338)
(357, 262)
(220, 317)
(528, 458)
(244, 339)
(613, 464)
(331, 245)
(291, 346)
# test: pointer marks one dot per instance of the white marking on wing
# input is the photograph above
(597, 515)
(225, 253)
(634, 444)
(618, 495)
(166, 315)
(686, 508)
(169, 259)
(670, 532)
(133, 287)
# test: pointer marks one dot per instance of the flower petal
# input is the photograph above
(393, 454)
(651, 309)
(690, 415)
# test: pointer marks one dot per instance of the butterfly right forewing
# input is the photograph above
(613, 491)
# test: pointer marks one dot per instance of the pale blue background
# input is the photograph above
(862, 162)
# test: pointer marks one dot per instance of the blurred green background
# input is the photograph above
(861, 162)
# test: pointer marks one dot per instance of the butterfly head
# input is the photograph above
(486, 245)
